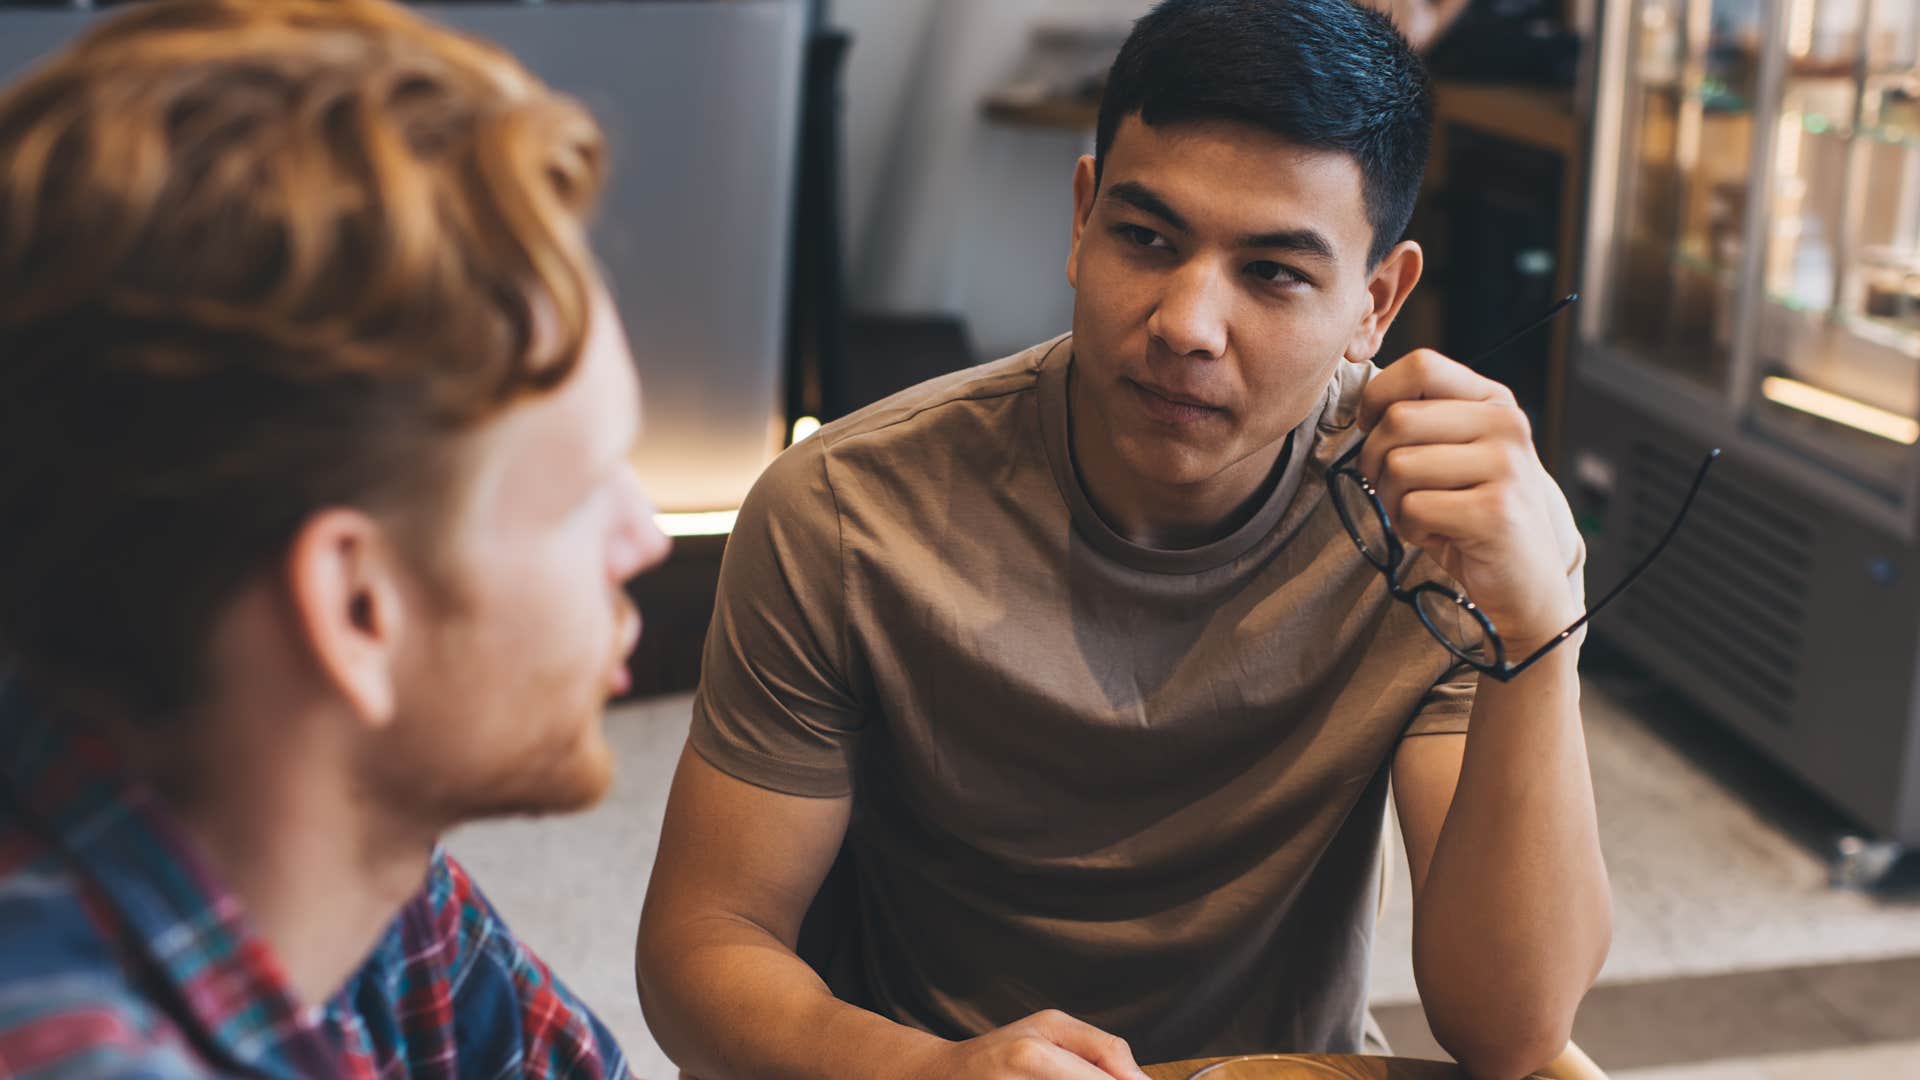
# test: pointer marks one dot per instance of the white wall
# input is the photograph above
(889, 36)
(945, 212)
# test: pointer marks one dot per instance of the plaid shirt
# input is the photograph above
(120, 955)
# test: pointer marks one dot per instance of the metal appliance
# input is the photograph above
(1753, 282)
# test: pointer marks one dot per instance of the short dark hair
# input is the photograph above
(1326, 74)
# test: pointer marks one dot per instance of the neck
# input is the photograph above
(319, 872)
(1169, 517)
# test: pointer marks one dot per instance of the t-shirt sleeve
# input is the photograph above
(1448, 706)
(774, 707)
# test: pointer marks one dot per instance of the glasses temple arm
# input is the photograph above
(1633, 575)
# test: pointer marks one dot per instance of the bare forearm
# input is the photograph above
(1515, 914)
(731, 1001)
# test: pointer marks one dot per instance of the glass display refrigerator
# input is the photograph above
(1752, 281)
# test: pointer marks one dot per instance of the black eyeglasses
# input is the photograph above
(1448, 615)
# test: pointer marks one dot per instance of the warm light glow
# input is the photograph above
(703, 523)
(1800, 28)
(1841, 410)
(1686, 139)
(1786, 162)
(804, 427)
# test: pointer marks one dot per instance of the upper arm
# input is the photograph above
(761, 798)
(737, 853)
(777, 703)
(1426, 769)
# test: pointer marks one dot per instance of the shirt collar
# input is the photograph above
(222, 976)
(1278, 517)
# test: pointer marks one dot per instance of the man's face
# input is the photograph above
(1220, 275)
(504, 689)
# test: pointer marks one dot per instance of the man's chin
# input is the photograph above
(1165, 463)
(581, 783)
(564, 781)
(579, 789)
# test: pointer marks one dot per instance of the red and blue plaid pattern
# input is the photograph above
(121, 956)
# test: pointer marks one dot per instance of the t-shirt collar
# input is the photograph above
(1335, 408)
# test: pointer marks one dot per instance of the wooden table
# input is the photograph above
(1312, 1066)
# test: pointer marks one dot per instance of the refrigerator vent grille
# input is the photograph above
(1729, 597)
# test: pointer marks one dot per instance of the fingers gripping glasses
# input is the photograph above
(1449, 615)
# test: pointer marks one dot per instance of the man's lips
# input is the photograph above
(619, 679)
(1171, 406)
(629, 635)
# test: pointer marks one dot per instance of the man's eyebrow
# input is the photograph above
(1142, 198)
(1299, 241)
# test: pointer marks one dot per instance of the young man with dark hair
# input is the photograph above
(1071, 663)
(316, 424)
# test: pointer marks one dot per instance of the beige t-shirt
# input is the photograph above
(1142, 786)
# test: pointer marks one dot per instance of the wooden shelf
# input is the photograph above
(1538, 116)
(1534, 115)
(1057, 115)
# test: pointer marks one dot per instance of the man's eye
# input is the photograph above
(1274, 273)
(1142, 236)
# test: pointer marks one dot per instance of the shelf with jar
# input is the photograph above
(1836, 345)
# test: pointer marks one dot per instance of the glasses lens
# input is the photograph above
(1461, 629)
(1357, 509)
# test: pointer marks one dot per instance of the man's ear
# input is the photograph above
(1085, 187)
(1387, 290)
(345, 588)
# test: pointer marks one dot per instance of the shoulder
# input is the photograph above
(1013, 374)
(67, 1006)
(468, 934)
(52, 925)
(920, 411)
(1337, 428)
(448, 925)
(446, 950)
(509, 1012)
(964, 404)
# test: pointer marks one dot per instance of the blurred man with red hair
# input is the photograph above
(319, 511)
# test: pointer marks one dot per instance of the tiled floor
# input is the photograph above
(1704, 882)
(1883, 1061)
(1733, 959)
(1829, 1011)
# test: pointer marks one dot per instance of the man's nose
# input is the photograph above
(642, 545)
(1191, 318)
(653, 545)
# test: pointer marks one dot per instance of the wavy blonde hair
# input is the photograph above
(258, 257)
